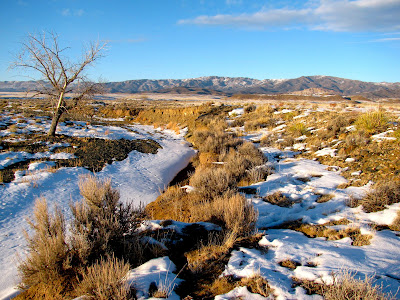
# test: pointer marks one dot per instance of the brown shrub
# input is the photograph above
(339, 123)
(212, 182)
(101, 220)
(100, 227)
(105, 280)
(231, 210)
(358, 238)
(357, 139)
(252, 155)
(48, 262)
(207, 158)
(259, 123)
(385, 193)
(213, 141)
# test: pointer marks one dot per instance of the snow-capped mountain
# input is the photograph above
(336, 85)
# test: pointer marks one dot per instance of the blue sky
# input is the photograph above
(159, 39)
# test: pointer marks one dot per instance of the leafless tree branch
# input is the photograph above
(43, 54)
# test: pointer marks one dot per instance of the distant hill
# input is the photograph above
(229, 85)
(189, 91)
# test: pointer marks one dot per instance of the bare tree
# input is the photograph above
(42, 54)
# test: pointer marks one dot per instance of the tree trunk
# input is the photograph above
(54, 122)
(57, 112)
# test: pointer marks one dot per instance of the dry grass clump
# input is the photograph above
(279, 199)
(208, 256)
(256, 118)
(259, 123)
(255, 284)
(336, 125)
(357, 139)
(231, 210)
(345, 286)
(298, 129)
(372, 122)
(289, 263)
(172, 204)
(100, 227)
(396, 223)
(358, 238)
(314, 231)
(249, 108)
(105, 280)
(384, 193)
(325, 198)
(208, 261)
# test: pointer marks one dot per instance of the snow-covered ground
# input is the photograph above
(318, 257)
(139, 178)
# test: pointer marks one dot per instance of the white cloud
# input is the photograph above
(79, 12)
(66, 12)
(361, 15)
(22, 3)
(271, 18)
(233, 2)
(393, 39)
(329, 15)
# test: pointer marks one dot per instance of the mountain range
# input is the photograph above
(235, 85)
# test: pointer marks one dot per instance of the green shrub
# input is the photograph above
(372, 122)
(298, 129)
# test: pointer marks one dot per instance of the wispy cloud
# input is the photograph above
(22, 3)
(383, 40)
(233, 2)
(262, 19)
(79, 13)
(67, 12)
(327, 15)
